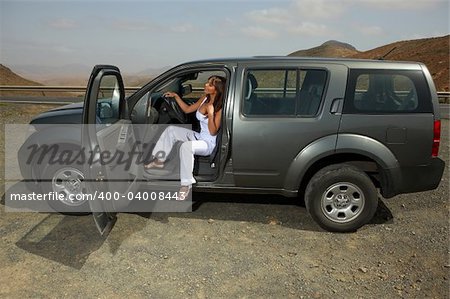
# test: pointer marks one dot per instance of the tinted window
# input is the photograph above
(378, 91)
(270, 92)
(283, 92)
(312, 86)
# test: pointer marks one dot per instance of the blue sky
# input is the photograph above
(136, 35)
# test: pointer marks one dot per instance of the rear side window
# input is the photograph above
(289, 92)
(270, 92)
(387, 92)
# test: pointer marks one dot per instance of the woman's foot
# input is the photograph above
(184, 192)
(154, 164)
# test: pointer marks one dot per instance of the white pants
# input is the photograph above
(190, 147)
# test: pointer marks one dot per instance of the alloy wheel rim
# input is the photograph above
(342, 202)
(69, 181)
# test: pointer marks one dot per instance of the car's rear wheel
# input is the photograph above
(341, 198)
(68, 182)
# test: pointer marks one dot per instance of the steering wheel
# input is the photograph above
(175, 110)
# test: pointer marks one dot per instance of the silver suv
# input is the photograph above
(332, 131)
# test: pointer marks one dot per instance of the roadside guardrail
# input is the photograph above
(50, 89)
(444, 96)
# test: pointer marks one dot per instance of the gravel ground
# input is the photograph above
(230, 246)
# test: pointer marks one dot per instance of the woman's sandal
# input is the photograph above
(184, 192)
(154, 164)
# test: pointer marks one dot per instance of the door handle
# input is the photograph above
(336, 106)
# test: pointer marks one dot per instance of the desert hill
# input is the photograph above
(8, 77)
(78, 74)
(330, 48)
(433, 52)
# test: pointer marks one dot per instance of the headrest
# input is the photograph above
(253, 81)
(252, 84)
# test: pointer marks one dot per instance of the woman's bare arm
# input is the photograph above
(185, 107)
(214, 120)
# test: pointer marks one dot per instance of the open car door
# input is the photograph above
(108, 140)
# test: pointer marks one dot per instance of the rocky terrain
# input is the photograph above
(330, 48)
(433, 52)
(230, 246)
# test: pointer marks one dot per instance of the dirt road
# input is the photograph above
(230, 246)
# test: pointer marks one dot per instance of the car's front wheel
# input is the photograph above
(341, 198)
(68, 182)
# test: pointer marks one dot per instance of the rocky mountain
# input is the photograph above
(78, 74)
(433, 52)
(330, 48)
(8, 77)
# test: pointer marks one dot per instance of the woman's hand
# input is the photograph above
(171, 94)
(186, 108)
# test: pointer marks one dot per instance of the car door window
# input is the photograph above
(270, 93)
(150, 108)
(108, 101)
(287, 92)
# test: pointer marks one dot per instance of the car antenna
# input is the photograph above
(382, 57)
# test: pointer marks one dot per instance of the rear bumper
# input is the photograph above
(413, 179)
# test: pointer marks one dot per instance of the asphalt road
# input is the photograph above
(445, 111)
(444, 108)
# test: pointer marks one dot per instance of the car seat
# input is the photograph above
(250, 95)
(311, 92)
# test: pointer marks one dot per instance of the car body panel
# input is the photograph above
(313, 152)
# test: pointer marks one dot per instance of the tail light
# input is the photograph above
(436, 138)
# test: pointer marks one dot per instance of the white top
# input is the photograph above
(204, 131)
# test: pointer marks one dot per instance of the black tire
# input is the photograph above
(341, 198)
(53, 181)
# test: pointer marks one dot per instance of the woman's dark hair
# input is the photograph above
(219, 83)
